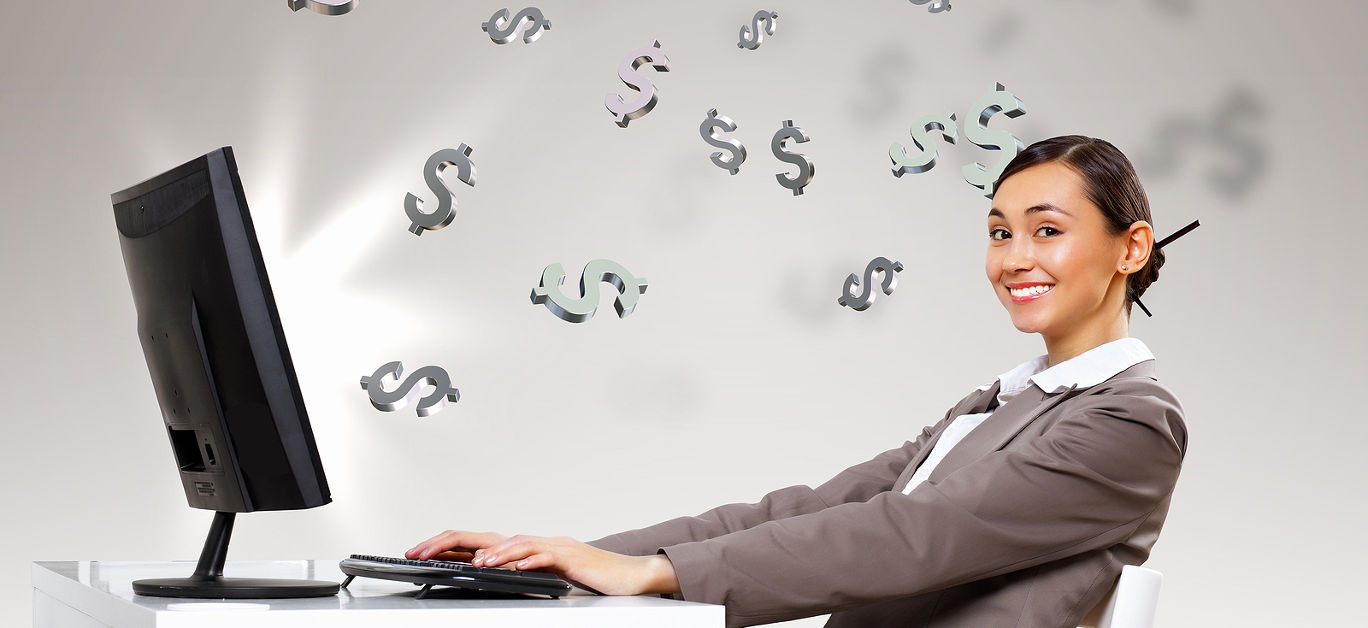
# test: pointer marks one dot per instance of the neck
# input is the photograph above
(1081, 340)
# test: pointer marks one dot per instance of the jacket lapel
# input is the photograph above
(1003, 425)
(972, 404)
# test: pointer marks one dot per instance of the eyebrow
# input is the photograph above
(1042, 207)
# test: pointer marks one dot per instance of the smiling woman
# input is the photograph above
(1071, 243)
(1018, 508)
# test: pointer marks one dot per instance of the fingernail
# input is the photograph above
(490, 559)
(522, 564)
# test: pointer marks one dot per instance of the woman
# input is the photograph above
(1018, 508)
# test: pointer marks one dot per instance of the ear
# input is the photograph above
(1139, 243)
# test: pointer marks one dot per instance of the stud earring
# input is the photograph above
(1123, 267)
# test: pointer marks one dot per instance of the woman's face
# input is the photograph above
(1050, 259)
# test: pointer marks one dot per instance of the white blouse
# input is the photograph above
(1089, 368)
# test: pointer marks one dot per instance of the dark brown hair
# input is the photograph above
(1109, 181)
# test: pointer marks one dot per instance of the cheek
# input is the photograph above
(992, 266)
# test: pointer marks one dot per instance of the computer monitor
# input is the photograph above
(220, 368)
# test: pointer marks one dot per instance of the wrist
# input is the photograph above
(660, 575)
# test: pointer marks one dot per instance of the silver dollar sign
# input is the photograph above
(433, 173)
(404, 394)
(805, 167)
(921, 136)
(577, 310)
(503, 30)
(936, 5)
(325, 7)
(998, 101)
(646, 99)
(860, 302)
(751, 42)
(709, 132)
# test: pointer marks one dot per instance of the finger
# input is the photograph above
(516, 551)
(494, 549)
(457, 540)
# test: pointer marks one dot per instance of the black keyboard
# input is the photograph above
(429, 573)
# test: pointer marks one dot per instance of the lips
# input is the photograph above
(1021, 293)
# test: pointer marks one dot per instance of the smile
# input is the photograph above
(1029, 293)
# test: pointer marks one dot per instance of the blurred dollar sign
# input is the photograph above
(709, 132)
(325, 7)
(647, 96)
(752, 36)
(434, 173)
(998, 101)
(503, 30)
(936, 5)
(862, 300)
(921, 136)
(805, 168)
(577, 310)
(400, 396)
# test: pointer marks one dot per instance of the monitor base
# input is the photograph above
(233, 588)
(208, 580)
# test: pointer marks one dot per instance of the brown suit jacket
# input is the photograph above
(1026, 522)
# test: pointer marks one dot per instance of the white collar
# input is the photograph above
(1089, 368)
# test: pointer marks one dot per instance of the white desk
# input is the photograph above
(92, 594)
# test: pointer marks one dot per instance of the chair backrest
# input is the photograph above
(1131, 603)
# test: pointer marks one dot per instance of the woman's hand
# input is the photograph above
(586, 566)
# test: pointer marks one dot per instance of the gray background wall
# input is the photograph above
(738, 373)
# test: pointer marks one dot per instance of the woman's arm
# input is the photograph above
(855, 484)
(1085, 484)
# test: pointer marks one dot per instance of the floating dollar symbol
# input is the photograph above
(503, 30)
(751, 42)
(998, 101)
(646, 99)
(433, 173)
(405, 393)
(921, 129)
(325, 7)
(936, 5)
(1220, 130)
(860, 302)
(709, 132)
(577, 310)
(805, 167)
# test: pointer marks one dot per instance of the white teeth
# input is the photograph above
(1030, 291)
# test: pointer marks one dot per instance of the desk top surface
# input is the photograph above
(97, 587)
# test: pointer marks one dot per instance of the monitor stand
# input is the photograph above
(208, 580)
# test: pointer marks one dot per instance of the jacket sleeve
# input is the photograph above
(1086, 483)
(857, 483)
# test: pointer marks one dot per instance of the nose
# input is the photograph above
(1019, 256)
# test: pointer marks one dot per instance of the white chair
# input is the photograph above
(1131, 603)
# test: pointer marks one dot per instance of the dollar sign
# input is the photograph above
(577, 310)
(770, 19)
(936, 7)
(646, 99)
(921, 129)
(733, 146)
(433, 173)
(861, 302)
(1220, 130)
(502, 30)
(325, 7)
(998, 101)
(805, 167)
(404, 394)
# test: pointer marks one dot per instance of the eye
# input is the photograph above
(993, 234)
(1051, 230)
